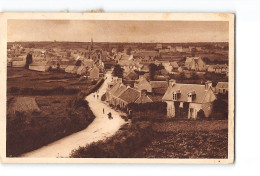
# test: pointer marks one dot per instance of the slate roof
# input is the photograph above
(185, 89)
(114, 88)
(130, 95)
(120, 90)
(159, 84)
(144, 99)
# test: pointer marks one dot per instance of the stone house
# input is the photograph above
(195, 63)
(143, 84)
(186, 100)
(222, 87)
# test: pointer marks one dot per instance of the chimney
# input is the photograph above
(208, 84)
(191, 95)
(172, 82)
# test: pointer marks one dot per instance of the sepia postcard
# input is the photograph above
(117, 88)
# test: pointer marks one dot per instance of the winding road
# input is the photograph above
(99, 129)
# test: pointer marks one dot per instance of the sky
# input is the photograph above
(117, 31)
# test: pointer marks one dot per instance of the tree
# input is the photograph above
(29, 60)
(201, 114)
(128, 51)
(120, 48)
(78, 63)
(182, 76)
(31, 45)
(152, 71)
(68, 54)
(194, 76)
(118, 71)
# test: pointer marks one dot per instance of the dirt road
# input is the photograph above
(99, 129)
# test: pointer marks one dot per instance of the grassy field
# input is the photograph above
(173, 139)
(187, 139)
(60, 98)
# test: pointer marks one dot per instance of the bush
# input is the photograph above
(201, 114)
(122, 145)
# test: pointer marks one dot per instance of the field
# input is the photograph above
(172, 139)
(51, 106)
(187, 139)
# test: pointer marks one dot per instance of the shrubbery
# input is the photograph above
(122, 145)
(148, 111)
(60, 90)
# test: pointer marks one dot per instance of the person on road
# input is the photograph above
(103, 111)
(97, 96)
(94, 95)
(110, 116)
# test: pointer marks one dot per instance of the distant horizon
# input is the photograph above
(113, 42)
(118, 31)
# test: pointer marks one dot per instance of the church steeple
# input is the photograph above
(92, 45)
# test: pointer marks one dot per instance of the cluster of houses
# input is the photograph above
(186, 100)
(169, 48)
(16, 55)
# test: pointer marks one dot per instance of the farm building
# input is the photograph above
(186, 100)
(222, 87)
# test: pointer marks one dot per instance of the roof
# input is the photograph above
(144, 99)
(189, 59)
(218, 66)
(174, 64)
(114, 88)
(130, 95)
(222, 85)
(120, 90)
(185, 89)
(159, 84)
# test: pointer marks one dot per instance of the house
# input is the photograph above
(143, 84)
(167, 66)
(131, 75)
(94, 73)
(186, 100)
(219, 68)
(144, 68)
(159, 87)
(81, 70)
(195, 63)
(115, 91)
(39, 66)
(222, 87)
(71, 69)
(178, 48)
(131, 95)
(18, 63)
(174, 64)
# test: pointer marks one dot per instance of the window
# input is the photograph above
(174, 96)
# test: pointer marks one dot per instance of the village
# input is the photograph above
(74, 94)
(179, 75)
